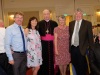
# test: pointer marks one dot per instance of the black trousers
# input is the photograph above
(20, 62)
(2, 72)
(78, 60)
(5, 65)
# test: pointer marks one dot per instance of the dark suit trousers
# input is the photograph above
(78, 60)
(5, 65)
(20, 62)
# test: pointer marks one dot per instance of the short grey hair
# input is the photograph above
(79, 10)
(61, 16)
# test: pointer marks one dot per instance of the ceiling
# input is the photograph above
(49, 3)
(60, 6)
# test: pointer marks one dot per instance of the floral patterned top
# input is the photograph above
(34, 49)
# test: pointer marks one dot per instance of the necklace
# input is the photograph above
(47, 31)
(47, 27)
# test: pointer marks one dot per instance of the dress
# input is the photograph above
(62, 46)
(34, 49)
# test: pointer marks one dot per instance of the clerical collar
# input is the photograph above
(47, 20)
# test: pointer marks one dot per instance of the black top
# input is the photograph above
(43, 26)
(94, 56)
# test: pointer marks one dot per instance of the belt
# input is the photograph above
(18, 52)
(75, 46)
(47, 37)
(2, 53)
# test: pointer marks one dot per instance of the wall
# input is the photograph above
(1, 9)
(58, 7)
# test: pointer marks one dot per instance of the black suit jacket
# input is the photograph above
(85, 35)
(94, 59)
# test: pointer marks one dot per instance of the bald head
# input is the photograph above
(1, 23)
(46, 10)
(46, 14)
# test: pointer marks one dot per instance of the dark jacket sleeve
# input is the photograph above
(92, 60)
(90, 36)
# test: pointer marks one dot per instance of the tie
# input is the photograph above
(76, 38)
(22, 38)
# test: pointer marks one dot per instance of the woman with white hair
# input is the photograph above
(61, 43)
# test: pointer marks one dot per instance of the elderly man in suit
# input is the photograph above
(81, 38)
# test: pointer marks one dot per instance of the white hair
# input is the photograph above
(79, 10)
(46, 10)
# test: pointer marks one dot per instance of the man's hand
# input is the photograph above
(11, 62)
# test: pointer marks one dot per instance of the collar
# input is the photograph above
(79, 21)
(16, 25)
(47, 20)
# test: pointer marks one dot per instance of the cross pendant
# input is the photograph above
(47, 31)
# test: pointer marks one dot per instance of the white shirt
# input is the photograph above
(2, 37)
(73, 36)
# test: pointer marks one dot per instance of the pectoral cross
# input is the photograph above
(47, 31)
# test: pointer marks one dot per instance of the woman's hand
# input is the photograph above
(56, 53)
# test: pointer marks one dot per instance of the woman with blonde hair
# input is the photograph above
(61, 43)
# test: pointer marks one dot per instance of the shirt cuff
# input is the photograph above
(10, 58)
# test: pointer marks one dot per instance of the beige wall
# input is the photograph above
(58, 7)
(28, 10)
(27, 15)
(1, 9)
